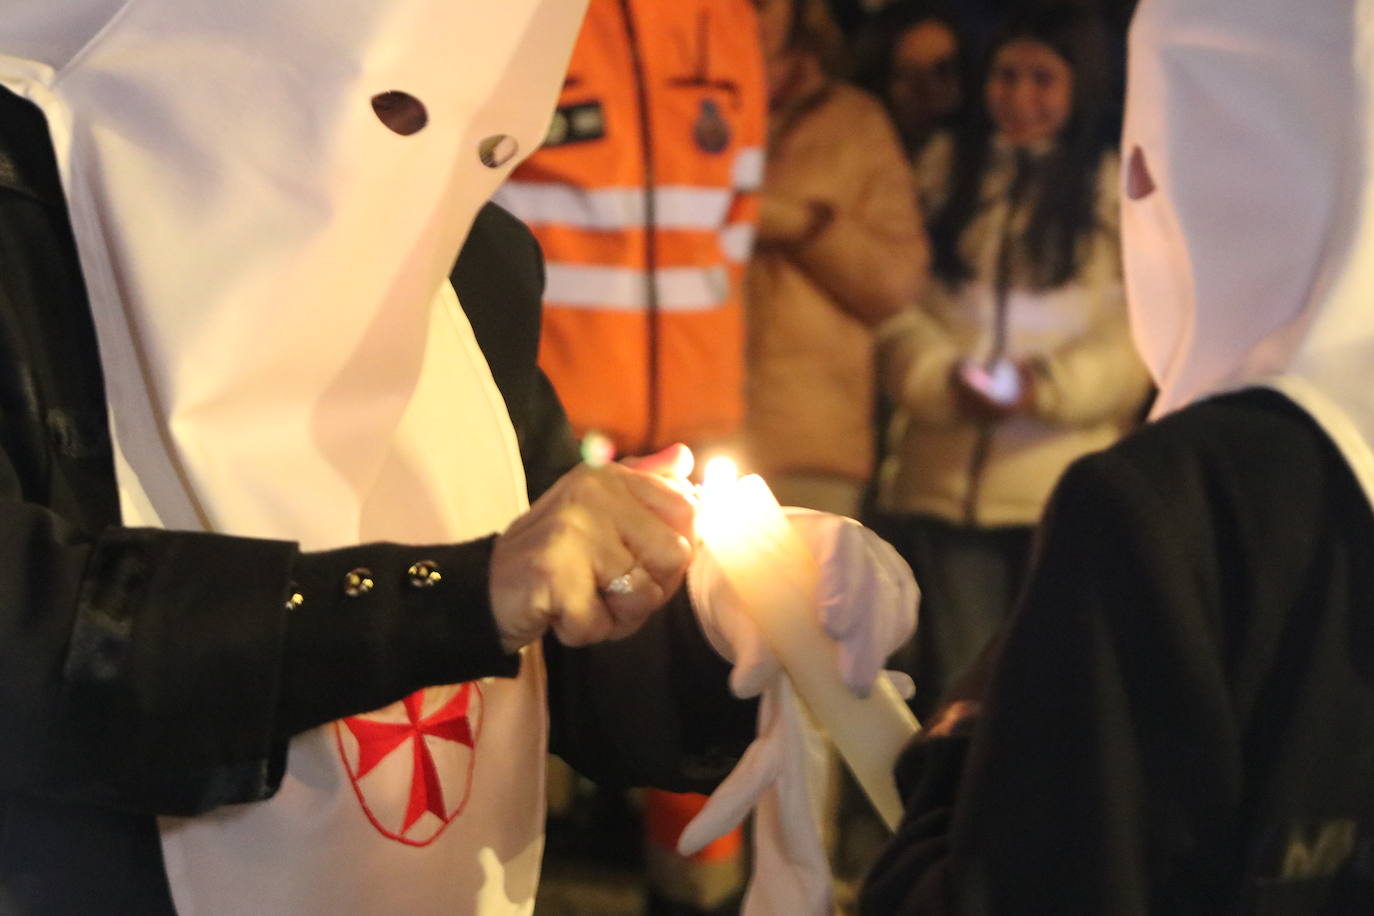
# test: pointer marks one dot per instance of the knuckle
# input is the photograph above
(668, 555)
(583, 626)
(591, 480)
(542, 566)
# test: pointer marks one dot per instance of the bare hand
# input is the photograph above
(552, 565)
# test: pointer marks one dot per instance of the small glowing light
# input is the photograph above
(720, 472)
(715, 513)
(597, 449)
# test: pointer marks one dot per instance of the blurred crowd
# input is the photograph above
(326, 559)
(872, 250)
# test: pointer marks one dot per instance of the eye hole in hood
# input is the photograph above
(1139, 183)
(400, 112)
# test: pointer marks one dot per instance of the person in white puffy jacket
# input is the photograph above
(1017, 358)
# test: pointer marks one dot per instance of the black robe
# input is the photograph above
(147, 672)
(1180, 717)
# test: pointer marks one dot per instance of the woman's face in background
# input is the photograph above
(923, 86)
(1029, 92)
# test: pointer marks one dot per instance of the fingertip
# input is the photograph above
(687, 551)
(689, 843)
(681, 459)
(749, 679)
(859, 687)
(739, 685)
(858, 670)
(674, 461)
(838, 619)
(902, 682)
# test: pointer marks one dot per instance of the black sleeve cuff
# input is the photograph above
(194, 657)
(374, 623)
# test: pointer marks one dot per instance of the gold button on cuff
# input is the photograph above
(358, 582)
(295, 600)
(424, 574)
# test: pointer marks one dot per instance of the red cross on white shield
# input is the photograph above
(411, 763)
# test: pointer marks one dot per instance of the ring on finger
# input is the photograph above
(622, 584)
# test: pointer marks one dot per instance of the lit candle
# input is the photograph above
(774, 575)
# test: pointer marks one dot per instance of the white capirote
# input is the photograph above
(1248, 214)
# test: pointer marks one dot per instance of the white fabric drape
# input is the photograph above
(283, 356)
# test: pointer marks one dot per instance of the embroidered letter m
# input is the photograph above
(1314, 857)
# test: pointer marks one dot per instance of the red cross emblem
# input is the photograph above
(411, 763)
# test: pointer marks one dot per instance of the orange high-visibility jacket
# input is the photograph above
(643, 198)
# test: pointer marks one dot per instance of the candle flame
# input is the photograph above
(720, 472)
(718, 480)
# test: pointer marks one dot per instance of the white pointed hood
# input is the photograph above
(260, 250)
(1252, 260)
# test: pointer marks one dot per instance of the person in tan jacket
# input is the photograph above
(840, 250)
(1018, 357)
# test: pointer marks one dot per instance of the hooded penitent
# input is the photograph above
(1248, 223)
(266, 262)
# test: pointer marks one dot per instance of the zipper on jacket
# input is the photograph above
(650, 230)
(977, 461)
(982, 448)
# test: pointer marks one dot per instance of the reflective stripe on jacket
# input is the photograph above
(643, 198)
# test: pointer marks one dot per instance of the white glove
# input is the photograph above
(784, 773)
(867, 602)
(865, 594)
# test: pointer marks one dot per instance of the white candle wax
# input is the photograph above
(774, 575)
